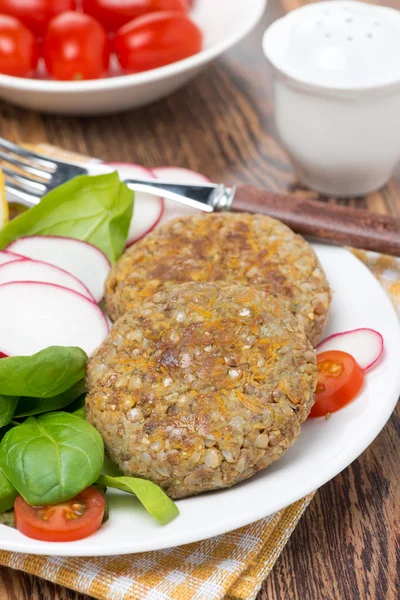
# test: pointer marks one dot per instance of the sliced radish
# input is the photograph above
(84, 261)
(178, 175)
(26, 269)
(37, 315)
(148, 207)
(365, 345)
(8, 257)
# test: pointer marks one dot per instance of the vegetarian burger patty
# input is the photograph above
(232, 247)
(201, 386)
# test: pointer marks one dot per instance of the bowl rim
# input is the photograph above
(137, 79)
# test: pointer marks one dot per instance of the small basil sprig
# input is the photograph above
(51, 458)
(45, 374)
(7, 493)
(93, 209)
(154, 500)
(28, 406)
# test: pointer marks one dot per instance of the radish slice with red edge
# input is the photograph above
(8, 257)
(38, 315)
(364, 344)
(148, 208)
(26, 269)
(178, 175)
(83, 260)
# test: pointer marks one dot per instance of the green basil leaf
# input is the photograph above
(80, 412)
(7, 493)
(51, 458)
(36, 406)
(154, 500)
(8, 405)
(7, 428)
(93, 209)
(110, 468)
(77, 405)
(47, 373)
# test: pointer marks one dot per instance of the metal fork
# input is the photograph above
(29, 176)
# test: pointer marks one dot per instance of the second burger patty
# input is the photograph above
(232, 247)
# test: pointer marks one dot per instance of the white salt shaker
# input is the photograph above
(336, 69)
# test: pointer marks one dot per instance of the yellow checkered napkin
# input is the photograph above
(228, 567)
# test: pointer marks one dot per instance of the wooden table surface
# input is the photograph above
(221, 124)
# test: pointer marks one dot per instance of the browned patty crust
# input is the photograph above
(236, 248)
(201, 386)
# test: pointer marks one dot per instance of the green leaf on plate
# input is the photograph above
(28, 406)
(45, 374)
(7, 493)
(51, 458)
(96, 209)
(8, 405)
(154, 500)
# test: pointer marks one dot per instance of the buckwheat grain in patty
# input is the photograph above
(201, 386)
(233, 247)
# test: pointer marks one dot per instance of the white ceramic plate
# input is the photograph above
(223, 22)
(323, 449)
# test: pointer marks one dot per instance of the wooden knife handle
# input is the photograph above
(327, 222)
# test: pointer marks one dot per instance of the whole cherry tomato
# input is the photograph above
(156, 40)
(65, 522)
(340, 379)
(35, 14)
(113, 14)
(75, 47)
(19, 51)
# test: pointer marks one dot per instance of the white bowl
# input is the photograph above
(223, 22)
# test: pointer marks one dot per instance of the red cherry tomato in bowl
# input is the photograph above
(35, 14)
(113, 14)
(19, 51)
(156, 40)
(75, 47)
(340, 379)
(65, 522)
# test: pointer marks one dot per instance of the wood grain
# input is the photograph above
(343, 225)
(347, 546)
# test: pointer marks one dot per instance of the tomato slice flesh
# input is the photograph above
(65, 522)
(340, 379)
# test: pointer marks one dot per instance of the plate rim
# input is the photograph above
(235, 521)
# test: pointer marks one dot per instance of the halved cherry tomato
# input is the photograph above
(66, 522)
(35, 14)
(113, 14)
(340, 379)
(75, 47)
(156, 40)
(19, 51)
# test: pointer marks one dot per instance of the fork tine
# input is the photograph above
(29, 199)
(23, 166)
(26, 182)
(27, 154)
